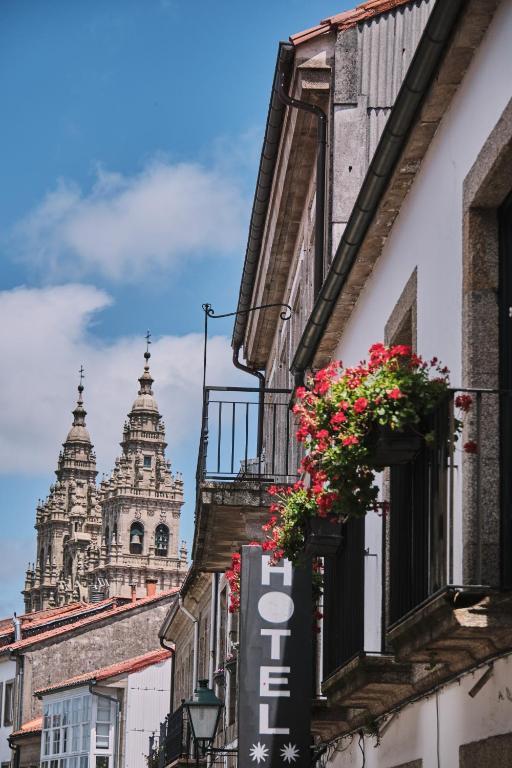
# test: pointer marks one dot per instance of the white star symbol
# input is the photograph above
(259, 753)
(289, 753)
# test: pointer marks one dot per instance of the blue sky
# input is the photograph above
(129, 145)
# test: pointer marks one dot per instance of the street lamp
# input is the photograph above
(203, 711)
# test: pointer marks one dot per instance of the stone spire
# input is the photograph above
(141, 502)
(68, 522)
(77, 459)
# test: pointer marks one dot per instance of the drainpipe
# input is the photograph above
(321, 149)
(213, 629)
(261, 396)
(172, 649)
(196, 639)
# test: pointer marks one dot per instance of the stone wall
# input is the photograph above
(99, 645)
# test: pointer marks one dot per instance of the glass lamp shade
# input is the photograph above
(204, 710)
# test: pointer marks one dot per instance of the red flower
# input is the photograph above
(322, 434)
(471, 447)
(463, 402)
(401, 349)
(350, 440)
(337, 419)
(360, 404)
(300, 393)
(394, 394)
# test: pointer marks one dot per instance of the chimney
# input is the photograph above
(17, 628)
(133, 588)
(151, 587)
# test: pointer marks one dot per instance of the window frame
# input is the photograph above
(8, 686)
(84, 752)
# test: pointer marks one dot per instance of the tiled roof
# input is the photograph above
(105, 673)
(347, 19)
(40, 619)
(31, 726)
(114, 612)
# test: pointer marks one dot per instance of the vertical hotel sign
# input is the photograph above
(274, 707)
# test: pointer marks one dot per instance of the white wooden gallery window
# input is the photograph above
(78, 730)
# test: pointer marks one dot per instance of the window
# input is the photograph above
(136, 539)
(66, 732)
(9, 702)
(78, 732)
(161, 540)
(147, 462)
(103, 723)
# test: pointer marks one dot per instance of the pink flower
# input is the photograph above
(350, 440)
(394, 394)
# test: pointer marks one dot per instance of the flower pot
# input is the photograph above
(391, 447)
(323, 536)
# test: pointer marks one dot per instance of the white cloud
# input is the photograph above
(124, 226)
(45, 339)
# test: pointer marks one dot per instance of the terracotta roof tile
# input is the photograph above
(72, 626)
(41, 619)
(31, 726)
(113, 670)
(348, 19)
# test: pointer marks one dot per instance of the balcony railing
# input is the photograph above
(456, 484)
(174, 740)
(247, 434)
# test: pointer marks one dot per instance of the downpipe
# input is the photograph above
(196, 640)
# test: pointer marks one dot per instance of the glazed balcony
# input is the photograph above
(246, 445)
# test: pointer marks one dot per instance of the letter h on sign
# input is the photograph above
(275, 662)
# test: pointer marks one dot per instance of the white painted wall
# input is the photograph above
(451, 718)
(428, 235)
(148, 703)
(7, 672)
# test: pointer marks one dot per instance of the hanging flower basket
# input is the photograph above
(392, 447)
(353, 422)
(323, 536)
(230, 663)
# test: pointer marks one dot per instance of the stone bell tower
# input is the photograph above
(68, 524)
(141, 503)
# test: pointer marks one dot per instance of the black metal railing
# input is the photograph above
(343, 602)
(247, 434)
(174, 740)
(425, 546)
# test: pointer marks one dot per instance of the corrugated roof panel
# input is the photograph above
(386, 46)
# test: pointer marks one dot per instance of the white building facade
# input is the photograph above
(416, 250)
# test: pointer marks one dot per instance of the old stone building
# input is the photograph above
(43, 648)
(94, 542)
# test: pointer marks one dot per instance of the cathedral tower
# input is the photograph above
(68, 523)
(141, 503)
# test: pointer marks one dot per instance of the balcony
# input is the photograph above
(246, 445)
(174, 742)
(444, 562)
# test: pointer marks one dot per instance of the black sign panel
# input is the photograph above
(274, 706)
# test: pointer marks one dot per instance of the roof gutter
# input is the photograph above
(421, 72)
(273, 130)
